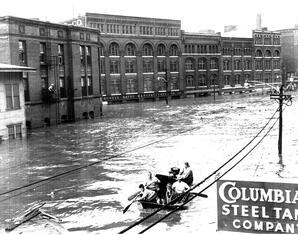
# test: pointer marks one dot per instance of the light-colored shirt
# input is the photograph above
(180, 187)
(147, 195)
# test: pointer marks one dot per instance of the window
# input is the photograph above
(237, 51)
(42, 52)
(202, 80)
(213, 80)
(189, 65)
(227, 80)
(12, 96)
(259, 53)
(161, 50)
(237, 79)
(258, 65)
(148, 84)
(14, 131)
(276, 53)
(174, 66)
(189, 81)
(101, 50)
(247, 65)
(276, 40)
(267, 64)
(42, 31)
(174, 83)
(161, 66)
(131, 85)
(102, 66)
(103, 86)
(147, 50)
(22, 53)
(60, 34)
(21, 28)
(130, 66)
(226, 65)
(82, 37)
(115, 85)
(90, 85)
(114, 67)
(268, 53)
(202, 64)
(147, 66)
(173, 50)
(114, 49)
(88, 36)
(258, 39)
(130, 50)
(214, 64)
(237, 65)
(247, 51)
(276, 64)
(267, 40)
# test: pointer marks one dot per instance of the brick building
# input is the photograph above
(124, 58)
(65, 86)
(289, 40)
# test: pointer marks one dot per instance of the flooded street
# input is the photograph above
(129, 141)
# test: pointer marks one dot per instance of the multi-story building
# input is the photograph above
(12, 101)
(135, 52)
(124, 58)
(66, 83)
(289, 42)
(267, 56)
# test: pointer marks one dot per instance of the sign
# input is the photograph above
(257, 207)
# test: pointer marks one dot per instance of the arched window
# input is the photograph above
(214, 63)
(276, 53)
(202, 64)
(268, 53)
(189, 64)
(173, 50)
(130, 49)
(114, 49)
(147, 50)
(161, 50)
(259, 53)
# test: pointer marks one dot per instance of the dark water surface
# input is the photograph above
(91, 200)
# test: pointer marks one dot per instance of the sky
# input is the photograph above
(195, 15)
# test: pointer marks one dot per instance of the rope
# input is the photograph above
(213, 173)
(167, 215)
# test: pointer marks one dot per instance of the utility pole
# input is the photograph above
(167, 86)
(281, 98)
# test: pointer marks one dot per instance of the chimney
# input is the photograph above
(259, 22)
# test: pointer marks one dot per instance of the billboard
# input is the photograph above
(257, 207)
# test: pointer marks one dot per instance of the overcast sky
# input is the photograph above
(194, 14)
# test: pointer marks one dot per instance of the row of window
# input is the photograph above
(131, 66)
(201, 81)
(267, 39)
(201, 49)
(202, 64)
(267, 53)
(86, 70)
(132, 85)
(236, 51)
(132, 29)
(147, 50)
(246, 65)
(43, 32)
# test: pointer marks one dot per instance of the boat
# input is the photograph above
(154, 205)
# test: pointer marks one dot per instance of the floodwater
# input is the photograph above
(129, 141)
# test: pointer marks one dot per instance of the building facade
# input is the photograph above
(12, 101)
(289, 42)
(99, 57)
(65, 86)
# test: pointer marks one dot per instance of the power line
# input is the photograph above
(97, 162)
(180, 206)
(209, 176)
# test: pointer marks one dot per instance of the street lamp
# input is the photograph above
(165, 79)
